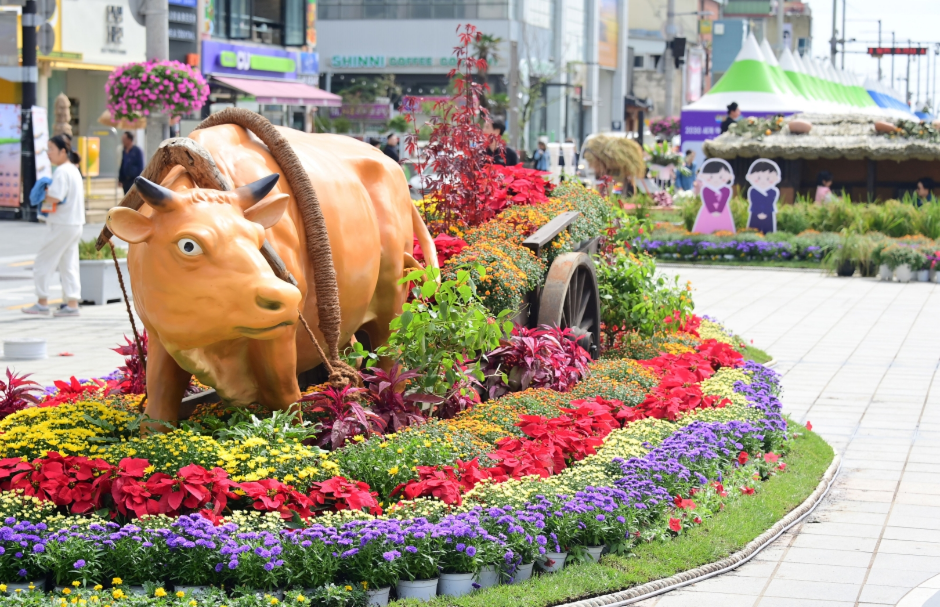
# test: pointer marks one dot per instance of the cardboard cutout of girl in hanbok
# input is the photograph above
(764, 175)
(716, 177)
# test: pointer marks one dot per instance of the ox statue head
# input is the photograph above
(200, 277)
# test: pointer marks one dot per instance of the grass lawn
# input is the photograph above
(743, 519)
(755, 354)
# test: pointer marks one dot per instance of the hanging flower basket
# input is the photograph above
(136, 90)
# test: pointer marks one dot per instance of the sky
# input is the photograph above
(914, 19)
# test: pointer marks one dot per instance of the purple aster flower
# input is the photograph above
(79, 563)
(411, 549)
(471, 551)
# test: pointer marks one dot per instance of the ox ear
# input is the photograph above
(129, 225)
(269, 211)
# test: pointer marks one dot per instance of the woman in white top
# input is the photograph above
(65, 204)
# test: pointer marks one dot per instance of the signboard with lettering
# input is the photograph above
(236, 60)
(378, 112)
(309, 64)
(183, 30)
(877, 51)
(381, 62)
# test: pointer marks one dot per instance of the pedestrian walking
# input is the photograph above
(501, 154)
(132, 161)
(687, 181)
(733, 114)
(391, 147)
(541, 157)
(65, 205)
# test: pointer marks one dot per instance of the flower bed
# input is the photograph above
(550, 473)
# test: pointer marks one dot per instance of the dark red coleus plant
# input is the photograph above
(341, 416)
(17, 393)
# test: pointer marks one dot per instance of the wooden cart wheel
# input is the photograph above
(570, 300)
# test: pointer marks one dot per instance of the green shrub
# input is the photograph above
(634, 297)
(87, 250)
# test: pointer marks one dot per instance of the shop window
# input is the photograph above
(275, 22)
(802, 45)
(638, 62)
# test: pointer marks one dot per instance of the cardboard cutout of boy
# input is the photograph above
(716, 177)
(764, 175)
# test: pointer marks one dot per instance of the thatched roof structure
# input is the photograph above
(833, 136)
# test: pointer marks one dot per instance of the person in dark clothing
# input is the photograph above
(391, 147)
(925, 193)
(132, 162)
(764, 175)
(506, 156)
(733, 114)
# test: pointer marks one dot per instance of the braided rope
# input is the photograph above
(651, 589)
(318, 240)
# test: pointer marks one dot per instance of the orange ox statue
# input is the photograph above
(211, 303)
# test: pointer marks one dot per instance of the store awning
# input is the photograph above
(281, 91)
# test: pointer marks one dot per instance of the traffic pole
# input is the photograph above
(30, 74)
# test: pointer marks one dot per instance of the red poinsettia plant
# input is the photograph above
(447, 247)
(339, 493)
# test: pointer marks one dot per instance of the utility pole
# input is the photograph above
(780, 40)
(892, 61)
(667, 56)
(879, 46)
(833, 42)
(843, 35)
(907, 78)
(30, 21)
(156, 14)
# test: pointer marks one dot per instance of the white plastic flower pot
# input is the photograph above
(903, 273)
(455, 584)
(378, 597)
(523, 572)
(191, 590)
(488, 577)
(423, 590)
(595, 552)
(99, 280)
(554, 561)
(23, 587)
(923, 275)
(884, 272)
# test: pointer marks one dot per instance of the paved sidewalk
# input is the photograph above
(859, 359)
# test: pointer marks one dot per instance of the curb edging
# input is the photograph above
(685, 578)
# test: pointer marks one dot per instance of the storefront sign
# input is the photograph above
(237, 60)
(382, 61)
(309, 64)
(312, 23)
(182, 31)
(378, 112)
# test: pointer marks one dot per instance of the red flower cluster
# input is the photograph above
(71, 391)
(516, 185)
(447, 247)
(86, 485)
(720, 354)
(433, 481)
(339, 493)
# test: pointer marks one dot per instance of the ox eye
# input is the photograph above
(190, 247)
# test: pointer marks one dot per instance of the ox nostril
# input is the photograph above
(268, 304)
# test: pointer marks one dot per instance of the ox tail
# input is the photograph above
(424, 239)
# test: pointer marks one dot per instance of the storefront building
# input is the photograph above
(570, 44)
(259, 55)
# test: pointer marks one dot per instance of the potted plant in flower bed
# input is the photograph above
(903, 260)
(419, 564)
(98, 276)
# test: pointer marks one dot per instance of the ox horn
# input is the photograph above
(255, 191)
(155, 195)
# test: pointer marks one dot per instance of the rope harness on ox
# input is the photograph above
(187, 153)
